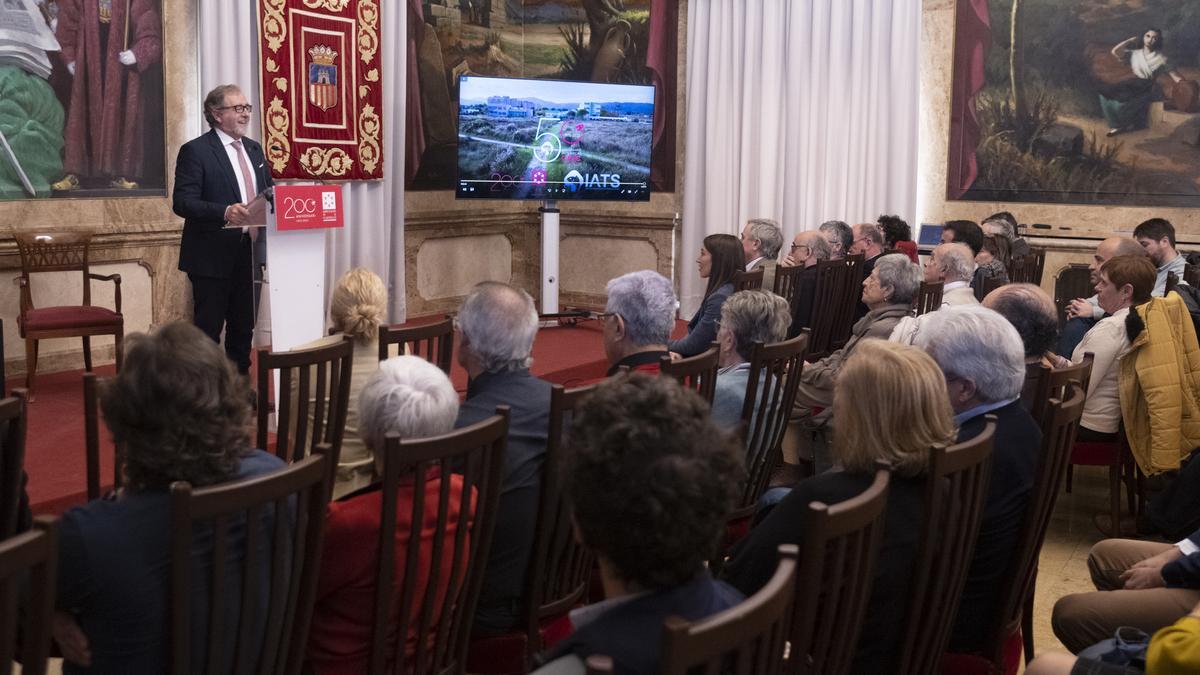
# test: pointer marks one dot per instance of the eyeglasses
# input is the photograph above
(796, 246)
(601, 316)
(239, 109)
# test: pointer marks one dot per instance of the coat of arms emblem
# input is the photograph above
(322, 77)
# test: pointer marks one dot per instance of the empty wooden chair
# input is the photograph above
(560, 568)
(752, 635)
(28, 558)
(697, 372)
(433, 342)
(91, 436)
(275, 521)
(748, 281)
(315, 412)
(1071, 282)
(429, 628)
(956, 488)
(986, 286)
(63, 252)
(929, 297)
(786, 282)
(1014, 609)
(14, 421)
(837, 566)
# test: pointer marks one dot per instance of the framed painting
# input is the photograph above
(1076, 102)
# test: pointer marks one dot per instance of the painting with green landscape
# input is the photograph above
(1076, 101)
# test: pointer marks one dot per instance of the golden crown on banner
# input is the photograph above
(322, 55)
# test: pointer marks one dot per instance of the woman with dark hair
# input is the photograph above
(898, 235)
(179, 411)
(721, 258)
(1126, 103)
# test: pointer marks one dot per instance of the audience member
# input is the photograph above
(1174, 650)
(413, 398)
(650, 481)
(839, 236)
(179, 411)
(991, 259)
(808, 249)
(963, 232)
(892, 407)
(983, 361)
(747, 317)
(1083, 314)
(497, 324)
(1004, 224)
(951, 264)
(357, 308)
(638, 317)
(761, 241)
(1031, 311)
(1157, 236)
(1124, 281)
(1143, 584)
(898, 235)
(868, 240)
(720, 260)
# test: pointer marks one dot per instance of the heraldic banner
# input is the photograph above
(322, 89)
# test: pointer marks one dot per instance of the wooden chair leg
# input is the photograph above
(87, 353)
(1070, 475)
(1114, 497)
(31, 358)
(119, 346)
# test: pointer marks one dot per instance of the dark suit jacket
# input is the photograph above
(205, 183)
(803, 301)
(868, 267)
(1015, 454)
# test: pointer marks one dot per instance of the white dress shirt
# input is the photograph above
(232, 152)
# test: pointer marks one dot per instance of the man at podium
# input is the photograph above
(216, 177)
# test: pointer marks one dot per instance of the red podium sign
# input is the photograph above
(308, 207)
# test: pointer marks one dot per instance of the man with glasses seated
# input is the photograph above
(808, 249)
(216, 176)
(868, 240)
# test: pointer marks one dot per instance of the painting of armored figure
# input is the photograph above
(613, 41)
(81, 99)
(1076, 101)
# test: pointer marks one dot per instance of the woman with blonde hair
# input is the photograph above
(892, 406)
(357, 308)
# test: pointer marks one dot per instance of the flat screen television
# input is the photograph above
(552, 139)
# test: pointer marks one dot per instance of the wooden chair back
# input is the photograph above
(54, 252)
(986, 286)
(929, 297)
(749, 638)
(91, 436)
(1055, 383)
(275, 522)
(1027, 269)
(322, 395)
(28, 577)
(847, 302)
(1058, 435)
(1072, 281)
(748, 281)
(561, 568)
(697, 372)
(14, 422)
(1191, 275)
(433, 342)
(787, 280)
(440, 614)
(837, 570)
(955, 490)
(770, 392)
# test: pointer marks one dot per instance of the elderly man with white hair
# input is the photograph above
(638, 318)
(496, 325)
(953, 264)
(983, 359)
(761, 241)
(747, 317)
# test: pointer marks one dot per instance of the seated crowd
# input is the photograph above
(651, 471)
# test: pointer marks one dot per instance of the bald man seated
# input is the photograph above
(1083, 313)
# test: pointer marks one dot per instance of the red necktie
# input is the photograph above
(247, 180)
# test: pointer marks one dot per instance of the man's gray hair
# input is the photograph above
(646, 302)
(844, 233)
(897, 271)
(872, 232)
(977, 344)
(499, 323)
(769, 236)
(820, 247)
(408, 396)
(957, 261)
(215, 99)
(755, 316)
(1001, 227)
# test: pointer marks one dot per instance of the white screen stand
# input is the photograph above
(550, 230)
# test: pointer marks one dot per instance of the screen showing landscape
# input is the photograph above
(548, 139)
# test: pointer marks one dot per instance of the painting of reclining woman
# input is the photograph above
(81, 86)
(1076, 101)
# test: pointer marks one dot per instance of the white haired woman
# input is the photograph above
(746, 317)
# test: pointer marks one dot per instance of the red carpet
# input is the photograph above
(54, 456)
